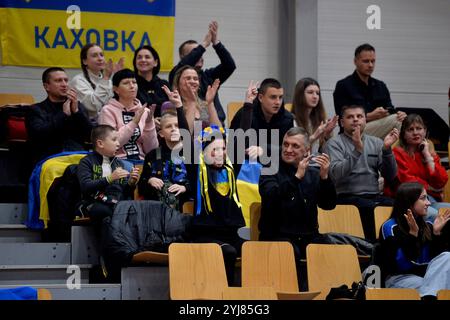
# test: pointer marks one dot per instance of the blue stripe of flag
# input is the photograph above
(165, 8)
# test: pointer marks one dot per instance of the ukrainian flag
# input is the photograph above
(51, 33)
(248, 187)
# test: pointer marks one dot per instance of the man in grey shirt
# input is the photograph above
(356, 161)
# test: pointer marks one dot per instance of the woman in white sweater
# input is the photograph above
(94, 85)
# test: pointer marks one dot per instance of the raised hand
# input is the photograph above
(331, 124)
(108, 69)
(252, 92)
(150, 112)
(401, 116)
(413, 227)
(426, 152)
(119, 65)
(173, 96)
(357, 140)
(254, 152)
(324, 162)
(440, 221)
(391, 138)
(189, 94)
(157, 123)
(66, 106)
(302, 166)
(138, 115)
(111, 68)
(212, 91)
(318, 132)
(72, 97)
(214, 28)
(207, 39)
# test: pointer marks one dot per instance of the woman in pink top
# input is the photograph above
(133, 121)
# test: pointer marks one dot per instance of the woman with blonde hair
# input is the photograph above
(417, 161)
(187, 84)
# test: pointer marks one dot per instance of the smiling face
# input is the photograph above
(215, 153)
(293, 149)
(145, 62)
(420, 207)
(57, 86)
(188, 81)
(95, 61)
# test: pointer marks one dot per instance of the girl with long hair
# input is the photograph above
(414, 250)
(309, 113)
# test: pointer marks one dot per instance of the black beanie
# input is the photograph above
(122, 74)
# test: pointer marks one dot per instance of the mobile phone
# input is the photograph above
(421, 147)
(422, 144)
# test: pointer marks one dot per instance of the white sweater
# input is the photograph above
(92, 99)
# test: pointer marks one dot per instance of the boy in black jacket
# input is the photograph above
(164, 177)
(103, 179)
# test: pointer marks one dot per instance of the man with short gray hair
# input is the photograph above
(289, 198)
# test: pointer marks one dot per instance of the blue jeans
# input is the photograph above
(436, 277)
(433, 209)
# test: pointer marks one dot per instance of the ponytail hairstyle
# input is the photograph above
(83, 56)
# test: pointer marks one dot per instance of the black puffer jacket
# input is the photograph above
(138, 226)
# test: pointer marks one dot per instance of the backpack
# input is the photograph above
(12, 123)
(64, 199)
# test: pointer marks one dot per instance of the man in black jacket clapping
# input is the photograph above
(289, 199)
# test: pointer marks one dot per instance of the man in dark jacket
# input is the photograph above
(59, 123)
(191, 54)
(266, 112)
(361, 89)
(289, 199)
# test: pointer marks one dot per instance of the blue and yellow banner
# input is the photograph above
(52, 32)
